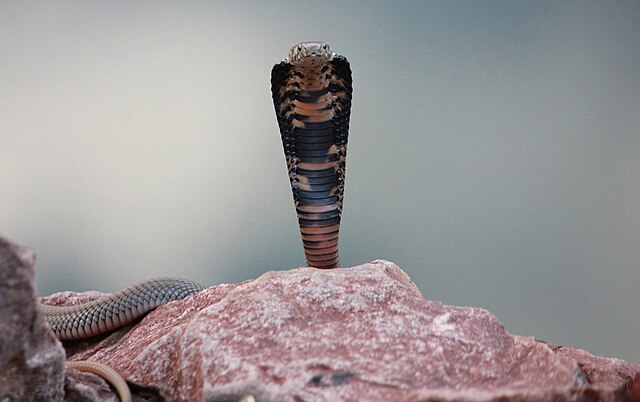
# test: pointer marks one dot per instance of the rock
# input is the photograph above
(31, 358)
(355, 334)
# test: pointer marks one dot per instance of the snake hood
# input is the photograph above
(310, 53)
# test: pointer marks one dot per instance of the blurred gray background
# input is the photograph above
(494, 149)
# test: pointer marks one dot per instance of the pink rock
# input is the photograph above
(356, 334)
(31, 359)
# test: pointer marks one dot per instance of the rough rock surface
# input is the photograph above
(356, 334)
(31, 359)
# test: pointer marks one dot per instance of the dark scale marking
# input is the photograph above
(319, 222)
(319, 124)
(306, 99)
(311, 152)
(317, 93)
(312, 132)
(314, 194)
(317, 173)
(325, 142)
(319, 181)
(317, 159)
(300, 117)
(318, 201)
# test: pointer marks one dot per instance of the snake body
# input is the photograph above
(111, 312)
(311, 92)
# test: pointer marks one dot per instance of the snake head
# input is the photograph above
(310, 53)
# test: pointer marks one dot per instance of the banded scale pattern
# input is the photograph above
(111, 312)
(312, 92)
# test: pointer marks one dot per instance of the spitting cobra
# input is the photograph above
(311, 92)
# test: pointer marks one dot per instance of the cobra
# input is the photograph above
(311, 92)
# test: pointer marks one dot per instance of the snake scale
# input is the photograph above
(311, 91)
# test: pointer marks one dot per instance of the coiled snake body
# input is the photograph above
(311, 92)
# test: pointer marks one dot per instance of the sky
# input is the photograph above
(494, 149)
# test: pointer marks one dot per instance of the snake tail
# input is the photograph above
(111, 312)
(106, 372)
(312, 92)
